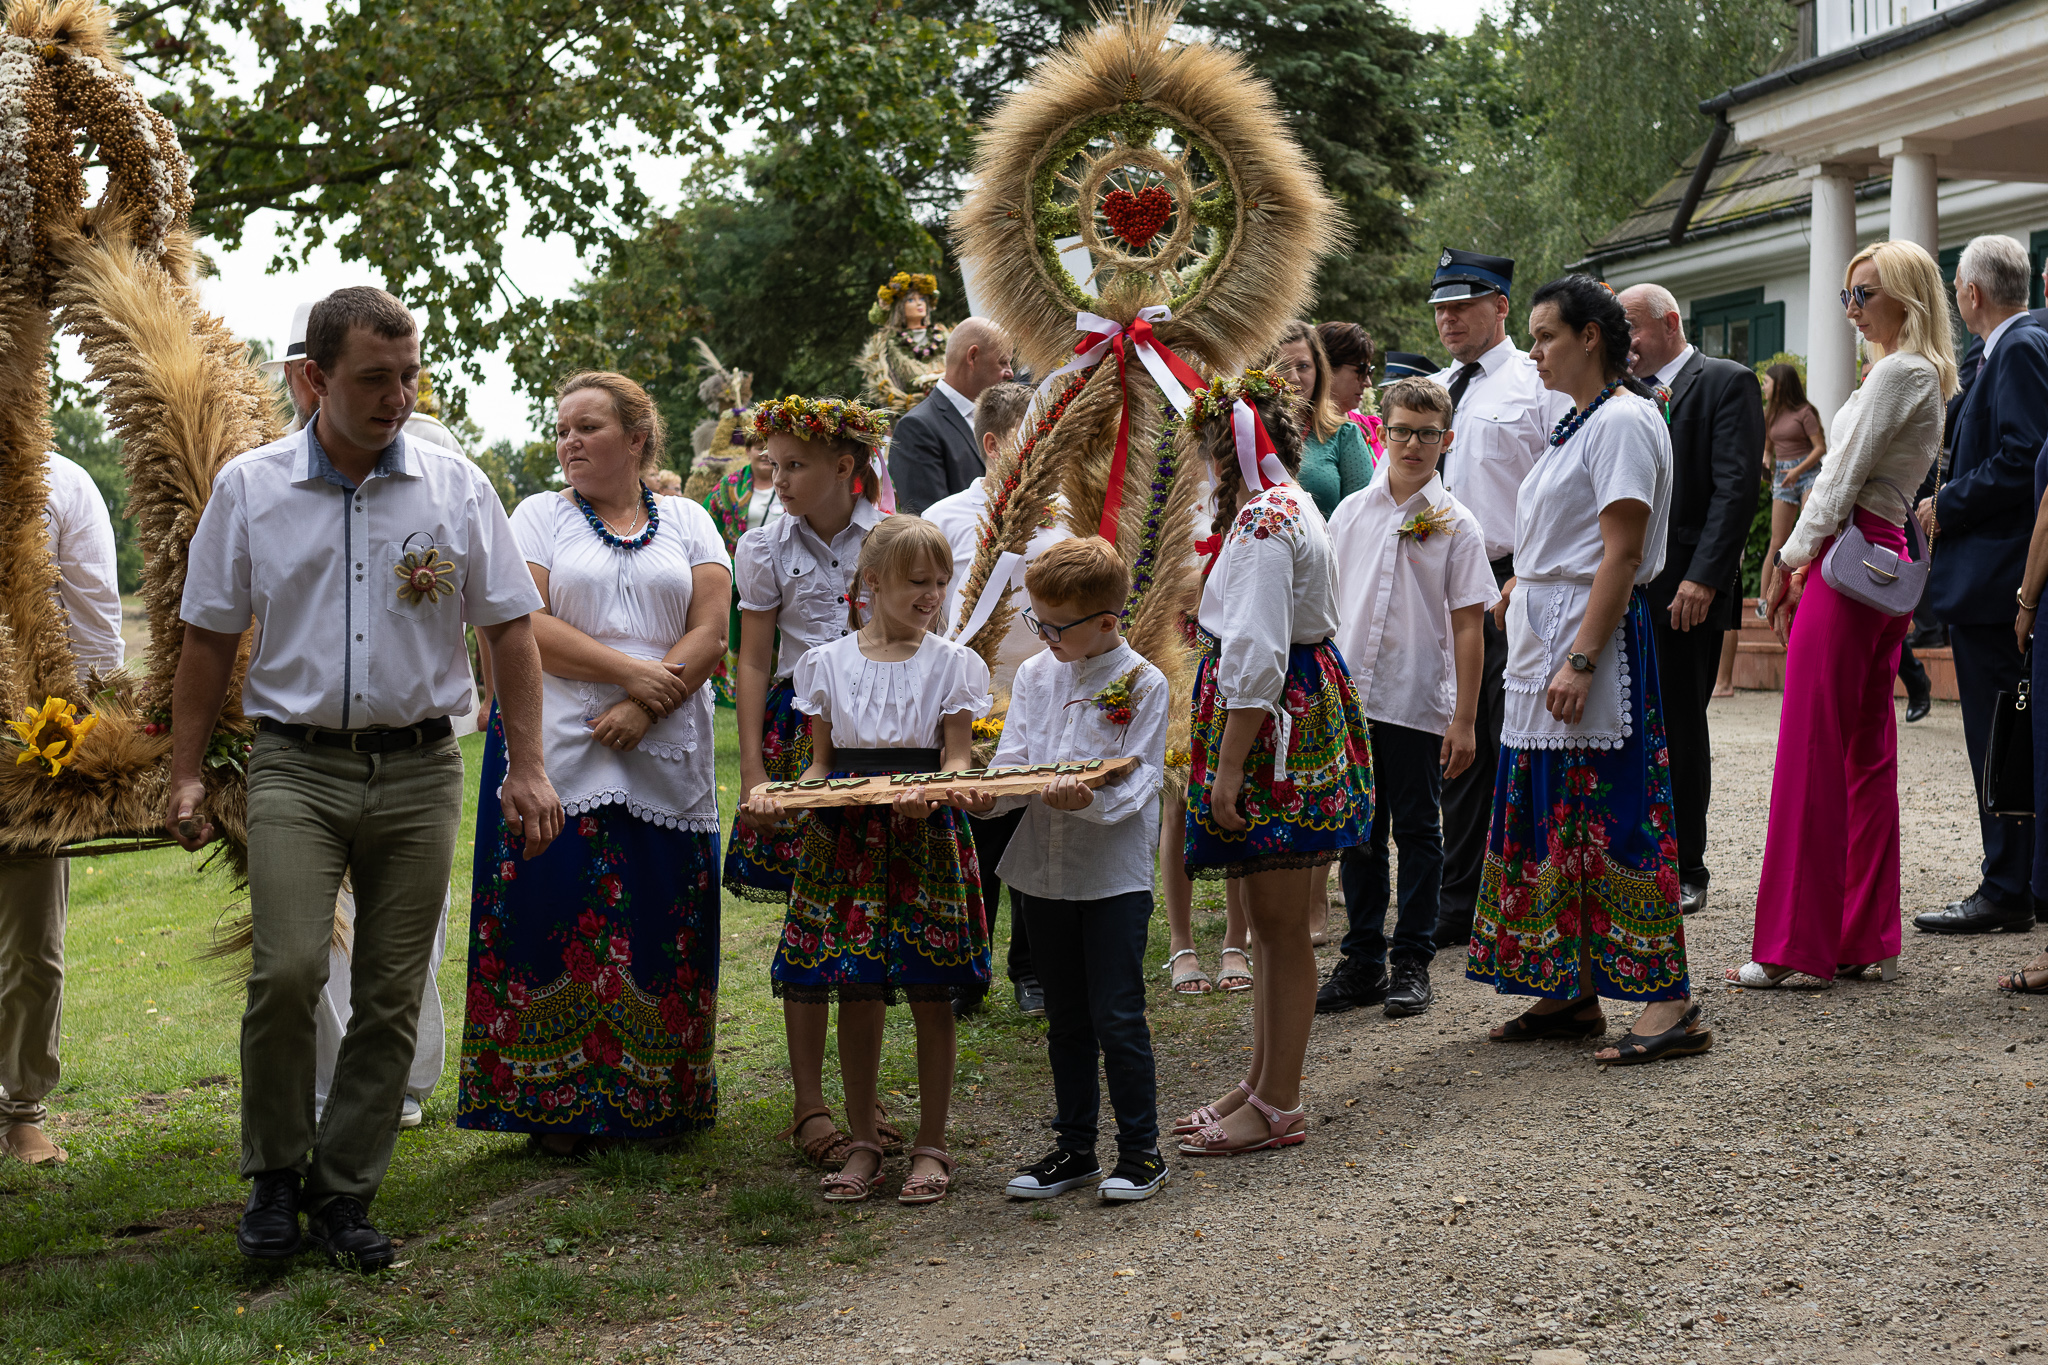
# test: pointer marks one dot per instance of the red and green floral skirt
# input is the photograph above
(760, 864)
(1581, 864)
(1323, 804)
(882, 909)
(593, 976)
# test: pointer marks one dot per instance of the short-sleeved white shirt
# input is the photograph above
(1503, 423)
(1274, 586)
(959, 518)
(637, 602)
(787, 568)
(1395, 597)
(1622, 453)
(873, 705)
(314, 564)
(82, 548)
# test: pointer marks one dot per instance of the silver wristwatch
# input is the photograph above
(1579, 662)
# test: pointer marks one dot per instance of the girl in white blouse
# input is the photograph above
(1280, 774)
(887, 902)
(795, 576)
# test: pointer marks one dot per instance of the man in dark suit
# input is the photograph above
(1984, 516)
(932, 451)
(1717, 437)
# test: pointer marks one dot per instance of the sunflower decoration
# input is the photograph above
(423, 576)
(50, 737)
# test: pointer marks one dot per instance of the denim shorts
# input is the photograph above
(1799, 488)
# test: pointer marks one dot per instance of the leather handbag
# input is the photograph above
(2009, 757)
(1873, 575)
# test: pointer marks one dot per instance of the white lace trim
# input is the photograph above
(1550, 739)
(640, 810)
(661, 748)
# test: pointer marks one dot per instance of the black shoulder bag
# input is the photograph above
(2009, 757)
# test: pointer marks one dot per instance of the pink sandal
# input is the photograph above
(844, 1187)
(1284, 1128)
(1205, 1116)
(928, 1188)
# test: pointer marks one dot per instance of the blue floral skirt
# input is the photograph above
(593, 976)
(1325, 804)
(1581, 861)
(760, 864)
(882, 909)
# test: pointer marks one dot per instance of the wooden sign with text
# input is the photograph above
(882, 788)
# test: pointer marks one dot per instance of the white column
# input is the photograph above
(1830, 340)
(1915, 212)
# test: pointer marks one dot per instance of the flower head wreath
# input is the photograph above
(820, 419)
(901, 283)
(1257, 458)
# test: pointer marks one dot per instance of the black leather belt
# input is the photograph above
(865, 761)
(363, 741)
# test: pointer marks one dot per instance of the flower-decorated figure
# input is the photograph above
(904, 359)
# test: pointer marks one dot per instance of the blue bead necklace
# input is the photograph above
(612, 538)
(1569, 424)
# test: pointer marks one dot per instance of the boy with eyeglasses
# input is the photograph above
(1412, 585)
(1079, 867)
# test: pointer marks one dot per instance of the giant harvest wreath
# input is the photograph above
(119, 276)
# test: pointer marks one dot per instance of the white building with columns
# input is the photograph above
(1924, 120)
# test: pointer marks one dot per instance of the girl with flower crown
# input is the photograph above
(907, 356)
(593, 968)
(1578, 898)
(1280, 775)
(796, 581)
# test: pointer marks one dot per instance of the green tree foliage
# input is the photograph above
(518, 471)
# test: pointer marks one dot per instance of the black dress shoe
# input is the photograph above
(1411, 992)
(1351, 986)
(1692, 897)
(1928, 637)
(1979, 914)
(1454, 932)
(1918, 704)
(967, 1000)
(269, 1230)
(343, 1231)
(1031, 998)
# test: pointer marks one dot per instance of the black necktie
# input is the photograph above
(1460, 381)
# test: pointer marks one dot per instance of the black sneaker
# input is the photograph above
(1061, 1171)
(967, 1000)
(1350, 986)
(1031, 998)
(343, 1231)
(269, 1230)
(1411, 992)
(1138, 1175)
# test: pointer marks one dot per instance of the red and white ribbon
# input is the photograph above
(1257, 459)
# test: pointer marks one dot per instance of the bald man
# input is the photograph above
(932, 452)
(1717, 437)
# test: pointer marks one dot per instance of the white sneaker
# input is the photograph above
(1059, 1172)
(410, 1115)
(1138, 1175)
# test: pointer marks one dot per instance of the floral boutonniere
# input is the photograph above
(1432, 521)
(1115, 701)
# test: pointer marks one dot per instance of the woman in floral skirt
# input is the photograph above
(593, 969)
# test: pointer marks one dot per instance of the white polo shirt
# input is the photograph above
(1503, 424)
(286, 541)
(1395, 596)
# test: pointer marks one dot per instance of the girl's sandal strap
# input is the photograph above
(888, 1132)
(931, 1186)
(845, 1187)
(1194, 981)
(2015, 982)
(1529, 1026)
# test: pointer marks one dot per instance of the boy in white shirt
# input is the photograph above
(1412, 585)
(1079, 866)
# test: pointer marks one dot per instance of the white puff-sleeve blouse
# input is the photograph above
(872, 705)
(1274, 586)
(637, 602)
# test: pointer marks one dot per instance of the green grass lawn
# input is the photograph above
(127, 1253)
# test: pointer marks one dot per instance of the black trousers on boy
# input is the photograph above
(1095, 1010)
(1407, 782)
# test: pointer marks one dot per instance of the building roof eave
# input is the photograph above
(1843, 58)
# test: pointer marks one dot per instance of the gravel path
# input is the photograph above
(1847, 1177)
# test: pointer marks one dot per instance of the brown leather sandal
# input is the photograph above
(889, 1133)
(932, 1186)
(844, 1187)
(828, 1151)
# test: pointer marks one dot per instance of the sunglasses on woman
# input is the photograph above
(1859, 294)
(1051, 633)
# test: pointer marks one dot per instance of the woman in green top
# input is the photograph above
(1335, 461)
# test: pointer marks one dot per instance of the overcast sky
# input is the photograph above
(259, 305)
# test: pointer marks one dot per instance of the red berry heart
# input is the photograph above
(1137, 218)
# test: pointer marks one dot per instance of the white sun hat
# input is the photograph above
(295, 347)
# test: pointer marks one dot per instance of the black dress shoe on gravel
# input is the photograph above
(1692, 897)
(1411, 992)
(342, 1230)
(1978, 914)
(1454, 933)
(1350, 987)
(269, 1230)
(1918, 704)
(1031, 998)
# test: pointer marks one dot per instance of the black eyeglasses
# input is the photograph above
(1050, 633)
(1429, 436)
(1860, 294)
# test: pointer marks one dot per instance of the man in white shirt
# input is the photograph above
(932, 452)
(359, 553)
(36, 892)
(1503, 418)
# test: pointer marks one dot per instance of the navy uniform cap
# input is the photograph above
(1469, 275)
(1407, 365)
